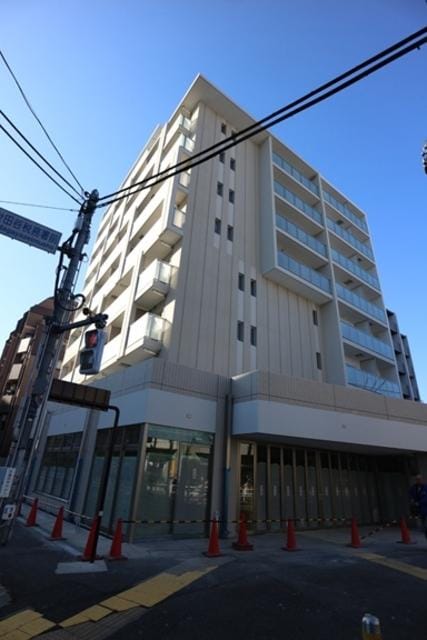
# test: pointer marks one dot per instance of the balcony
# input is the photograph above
(350, 239)
(300, 278)
(145, 338)
(116, 306)
(360, 303)
(111, 351)
(299, 234)
(366, 341)
(181, 124)
(370, 382)
(153, 284)
(354, 268)
(345, 211)
(296, 202)
(297, 175)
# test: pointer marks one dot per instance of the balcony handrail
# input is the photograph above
(299, 204)
(298, 233)
(370, 382)
(342, 208)
(293, 171)
(304, 272)
(361, 303)
(350, 238)
(363, 339)
(350, 265)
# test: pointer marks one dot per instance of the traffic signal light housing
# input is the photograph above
(91, 355)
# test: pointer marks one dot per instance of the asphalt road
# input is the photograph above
(319, 592)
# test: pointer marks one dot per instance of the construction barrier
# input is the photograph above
(32, 516)
(404, 532)
(213, 547)
(242, 543)
(355, 537)
(57, 527)
(116, 545)
(88, 553)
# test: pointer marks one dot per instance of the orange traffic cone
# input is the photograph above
(116, 545)
(213, 548)
(355, 538)
(404, 532)
(291, 541)
(242, 543)
(57, 527)
(32, 516)
(90, 543)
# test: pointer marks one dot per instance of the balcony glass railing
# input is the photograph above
(370, 382)
(363, 339)
(157, 270)
(350, 265)
(299, 234)
(304, 272)
(350, 238)
(286, 166)
(297, 202)
(149, 326)
(357, 301)
(342, 208)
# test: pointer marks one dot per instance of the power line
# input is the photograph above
(256, 127)
(38, 119)
(15, 128)
(37, 164)
(37, 206)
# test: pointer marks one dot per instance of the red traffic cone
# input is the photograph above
(32, 516)
(90, 543)
(404, 532)
(291, 539)
(116, 545)
(57, 527)
(355, 538)
(242, 543)
(213, 548)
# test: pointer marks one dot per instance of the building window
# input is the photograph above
(315, 318)
(253, 288)
(240, 331)
(222, 157)
(219, 188)
(318, 360)
(230, 233)
(232, 164)
(231, 196)
(224, 128)
(253, 336)
(241, 281)
(218, 226)
(58, 464)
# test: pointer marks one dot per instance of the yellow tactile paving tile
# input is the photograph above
(35, 627)
(16, 635)
(79, 618)
(95, 613)
(398, 565)
(156, 589)
(115, 603)
(17, 620)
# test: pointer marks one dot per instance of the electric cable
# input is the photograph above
(235, 137)
(27, 102)
(33, 148)
(37, 206)
(37, 164)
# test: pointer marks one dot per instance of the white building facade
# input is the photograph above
(248, 345)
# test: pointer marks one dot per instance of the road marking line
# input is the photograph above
(398, 565)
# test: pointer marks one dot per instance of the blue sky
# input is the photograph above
(102, 74)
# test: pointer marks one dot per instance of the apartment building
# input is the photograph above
(17, 369)
(248, 346)
(405, 365)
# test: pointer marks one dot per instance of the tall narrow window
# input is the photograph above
(230, 233)
(318, 360)
(232, 164)
(240, 331)
(218, 226)
(253, 336)
(253, 288)
(219, 188)
(315, 318)
(224, 128)
(231, 196)
(222, 157)
(241, 282)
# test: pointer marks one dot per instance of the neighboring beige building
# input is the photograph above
(17, 369)
(249, 285)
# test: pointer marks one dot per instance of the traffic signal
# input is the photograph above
(91, 355)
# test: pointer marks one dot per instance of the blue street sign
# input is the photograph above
(28, 231)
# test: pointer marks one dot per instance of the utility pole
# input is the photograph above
(31, 423)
